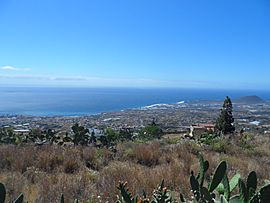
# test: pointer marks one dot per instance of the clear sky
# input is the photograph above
(135, 43)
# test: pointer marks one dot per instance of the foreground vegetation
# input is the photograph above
(220, 183)
(85, 168)
(43, 173)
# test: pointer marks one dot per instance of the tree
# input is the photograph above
(36, 134)
(80, 135)
(112, 135)
(7, 136)
(125, 134)
(93, 138)
(151, 131)
(52, 137)
(224, 123)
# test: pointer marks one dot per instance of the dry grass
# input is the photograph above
(42, 173)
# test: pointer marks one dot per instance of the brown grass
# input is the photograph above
(42, 173)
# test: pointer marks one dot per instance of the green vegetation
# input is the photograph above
(224, 123)
(7, 136)
(151, 131)
(219, 190)
(112, 135)
(80, 136)
(19, 199)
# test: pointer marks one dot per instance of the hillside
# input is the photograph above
(250, 100)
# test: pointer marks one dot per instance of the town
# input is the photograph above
(184, 118)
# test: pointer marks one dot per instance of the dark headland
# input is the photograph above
(250, 100)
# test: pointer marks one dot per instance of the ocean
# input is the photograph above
(41, 101)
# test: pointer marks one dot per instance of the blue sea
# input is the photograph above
(41, 101)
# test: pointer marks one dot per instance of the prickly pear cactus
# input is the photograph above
(249, 192)
(19, 199)
(126, 196)
(200, 192)
(2, 193)
(161, 195)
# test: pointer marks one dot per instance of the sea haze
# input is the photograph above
(85, 101)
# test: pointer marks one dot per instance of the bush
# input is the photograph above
(39, 171)
(71, 166)
(207, 138)
(220, 145)
(150, 132)
(148, 155)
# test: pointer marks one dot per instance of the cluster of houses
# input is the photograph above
(197, 130)
(193, 131)
(19, 128)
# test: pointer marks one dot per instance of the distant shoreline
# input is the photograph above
(161, 106)
(95, 101)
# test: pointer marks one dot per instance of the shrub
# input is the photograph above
(90, 158)
(220, 145)
(150, 132)
(71, 165)
(148, 155)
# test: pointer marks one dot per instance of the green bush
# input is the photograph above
(220, 145)
(151, 131)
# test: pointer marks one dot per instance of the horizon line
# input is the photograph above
(130, 87)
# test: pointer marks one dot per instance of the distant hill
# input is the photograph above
(250, 100)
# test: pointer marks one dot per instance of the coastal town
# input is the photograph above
(184, 118)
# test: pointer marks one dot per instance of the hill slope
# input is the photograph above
(250, 100)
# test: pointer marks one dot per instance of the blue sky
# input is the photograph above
(135, 43)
